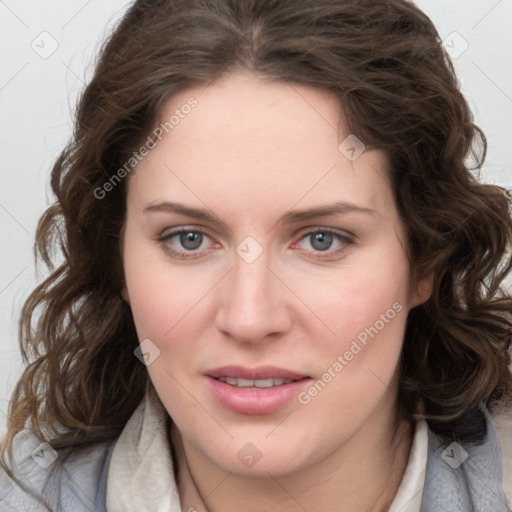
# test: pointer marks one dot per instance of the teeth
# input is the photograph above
(248, 383)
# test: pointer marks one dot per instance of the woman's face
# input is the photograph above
(275, 320)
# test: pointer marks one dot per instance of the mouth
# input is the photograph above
(260, 374)
(259, 383)
(262, 390)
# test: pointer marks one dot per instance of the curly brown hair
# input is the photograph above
(397, 87)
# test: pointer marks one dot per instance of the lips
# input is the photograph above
(259, 383)
(262, 390)
(261, 373)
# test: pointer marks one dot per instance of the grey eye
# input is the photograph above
(191, 240)
(321, 241)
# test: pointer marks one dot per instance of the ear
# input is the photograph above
(124, 294)
(421, 291)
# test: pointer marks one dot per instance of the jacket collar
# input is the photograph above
(464, 477)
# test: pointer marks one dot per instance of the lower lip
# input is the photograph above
(255, 400)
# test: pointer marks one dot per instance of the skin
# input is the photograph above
(249, 152)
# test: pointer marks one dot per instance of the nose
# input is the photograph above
(253, 302)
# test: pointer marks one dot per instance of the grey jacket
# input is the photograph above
(458, 478)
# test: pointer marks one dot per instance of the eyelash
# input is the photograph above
(344, 239)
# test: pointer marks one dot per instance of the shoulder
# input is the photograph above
(502, 419)
(46, 479)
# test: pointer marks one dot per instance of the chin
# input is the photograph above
(257, 457)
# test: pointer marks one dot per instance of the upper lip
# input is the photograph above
(262, 372)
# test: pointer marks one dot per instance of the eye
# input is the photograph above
(323, 240)
(190, 240)
(184, 242)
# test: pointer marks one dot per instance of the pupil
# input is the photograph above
(322, 241)
(191, 240)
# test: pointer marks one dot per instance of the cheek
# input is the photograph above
(368, 290)
(162, 297)
(367, 310)
(357, 367)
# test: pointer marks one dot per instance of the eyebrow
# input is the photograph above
(324, 211)
(290, 217)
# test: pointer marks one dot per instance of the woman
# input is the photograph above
(281, 286)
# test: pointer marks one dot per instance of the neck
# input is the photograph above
(363, 475)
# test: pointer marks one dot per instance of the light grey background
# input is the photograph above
(48, 54)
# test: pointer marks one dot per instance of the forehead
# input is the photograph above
(247, 117)
(275, 140)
